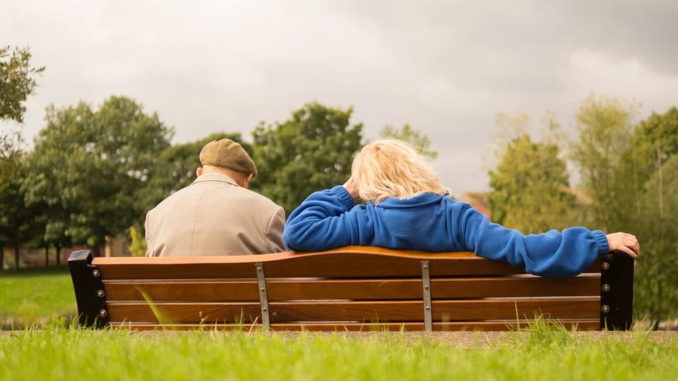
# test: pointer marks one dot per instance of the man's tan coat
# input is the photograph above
(214, 216)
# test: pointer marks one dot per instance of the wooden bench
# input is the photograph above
(351, 288)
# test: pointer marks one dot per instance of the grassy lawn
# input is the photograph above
(539, 354)
(32, 296)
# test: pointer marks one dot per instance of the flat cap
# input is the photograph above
(226, 153)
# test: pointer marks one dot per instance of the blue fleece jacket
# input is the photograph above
(431, 222)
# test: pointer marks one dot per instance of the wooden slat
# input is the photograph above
(564, 308)
(582, 325)
(442, 310)
(356, 289)
(184, 312)
(193, 290)
(347, 262)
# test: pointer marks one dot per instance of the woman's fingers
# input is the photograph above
(628, 251)
(628, 243)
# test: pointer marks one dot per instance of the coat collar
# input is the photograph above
(215, 177)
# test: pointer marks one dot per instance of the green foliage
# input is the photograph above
(605, 133)
(310, 151)
(416, 139)
(57, 354)
(19, 224)
(657, 227)
(89, 167)
(650, 171)
(530, 184)
(137, 244)
(630, 173)
(17, 81)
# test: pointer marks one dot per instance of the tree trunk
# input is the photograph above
(16, 257)
(2, 257)
(58, 254)
(46, 255)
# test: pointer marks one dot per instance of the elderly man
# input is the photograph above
(216, 214)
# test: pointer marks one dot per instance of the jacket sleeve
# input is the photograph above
(274, 241)
(322, 221)
(551, 254)
(147, 230)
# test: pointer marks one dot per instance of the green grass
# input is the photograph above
(33, 296)
(539, 354)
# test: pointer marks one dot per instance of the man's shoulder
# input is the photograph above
(260, 199)
(220, 193)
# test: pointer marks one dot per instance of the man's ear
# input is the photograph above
(246, 181)
(198, 172)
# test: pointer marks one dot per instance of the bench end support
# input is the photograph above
(89, 289)
(616, 291)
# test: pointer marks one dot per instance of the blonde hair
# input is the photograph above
(391, 168)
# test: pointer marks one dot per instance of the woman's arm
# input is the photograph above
(322, 221)
(552, 254)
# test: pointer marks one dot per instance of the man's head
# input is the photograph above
(227, 157)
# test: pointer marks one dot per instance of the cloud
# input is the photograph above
(444, 67)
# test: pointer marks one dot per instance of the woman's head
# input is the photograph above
(391, 168)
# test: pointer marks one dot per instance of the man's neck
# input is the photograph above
(238, 177)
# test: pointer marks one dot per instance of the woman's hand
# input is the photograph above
(352, 189)
(627, 243)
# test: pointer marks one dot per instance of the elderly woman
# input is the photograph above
(406, 207)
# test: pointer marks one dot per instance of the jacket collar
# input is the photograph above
(215, 177)
(412, 202)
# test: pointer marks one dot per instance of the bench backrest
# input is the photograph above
(352, 288)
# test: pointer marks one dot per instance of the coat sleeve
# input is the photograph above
(147, 230)
(551, 254)
(274, 241)
(323, 221)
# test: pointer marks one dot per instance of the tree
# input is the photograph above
(18, 224)
(657, 228)
(310, 151)
(17, 81)
(89, 167)
(530, 187)
(416, 139)
(605, 134)
(649, 171)
(630, 173)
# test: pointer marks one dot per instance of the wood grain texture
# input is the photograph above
(361, 311)
(356, 289)
(347, 262)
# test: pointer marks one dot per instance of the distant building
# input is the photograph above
(478, 200)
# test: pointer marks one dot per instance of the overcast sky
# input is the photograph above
(447, 68)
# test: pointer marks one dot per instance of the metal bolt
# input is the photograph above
(425, 266)
(96, 273)
(103, 313)
(426, 287)
(605, 265)
(264, 309)
(605, 308)
(101, 293)
(606, 287)
(262, 289)
(428, 308)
